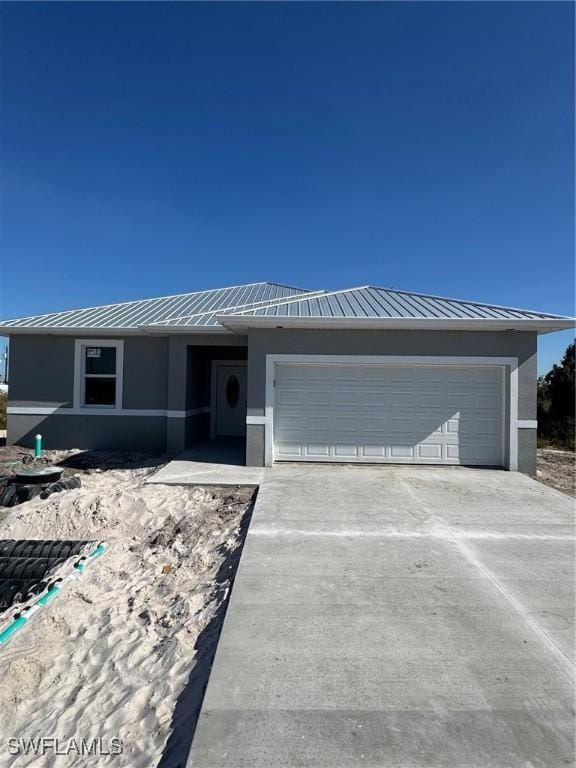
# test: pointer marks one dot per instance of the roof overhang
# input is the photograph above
(187, 330)
(8, 330)
(239, 324)
(142, 330)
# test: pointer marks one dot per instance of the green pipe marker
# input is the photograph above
(38, 446)
(50, 595)
(52, 592)
(12, 628)
(84, 561)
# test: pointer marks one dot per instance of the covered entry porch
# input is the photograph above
(207, 392)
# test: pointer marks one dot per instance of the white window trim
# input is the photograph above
(508, 363)
(79, 346)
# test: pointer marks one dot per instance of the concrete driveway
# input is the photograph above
(395, 616)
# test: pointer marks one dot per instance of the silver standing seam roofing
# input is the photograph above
(368, 301)
(192, 307)
(212, 309)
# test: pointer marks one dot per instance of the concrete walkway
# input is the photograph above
(215, 462)
(399, 617)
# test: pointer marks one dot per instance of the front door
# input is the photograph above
(230, 400)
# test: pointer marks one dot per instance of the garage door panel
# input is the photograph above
(320, 398)
(458, 426)
(394, 399)
(481, 453)
(372, 425)
(487, 427)
(456, 452)
(290, 450)
(431, 399)
(290, 397)
(430, 451)
(488, 402)
(487, 375)
(459, 400)
(471, 453)
(416, 414)
(432, 376)
(372, 451)
(313, 425)
(346, 451)
(431, 427)
(398, 426)
(402, 451)
(462, 376)
(317, 450)
(344, 398)
(345, 424)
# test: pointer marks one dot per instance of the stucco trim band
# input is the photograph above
(17, 410)
(259, 420)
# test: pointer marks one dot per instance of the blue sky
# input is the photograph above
(157, 148)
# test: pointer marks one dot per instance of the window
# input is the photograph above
(232, 391)
(98, 373)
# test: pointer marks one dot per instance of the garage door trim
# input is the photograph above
(510, 364)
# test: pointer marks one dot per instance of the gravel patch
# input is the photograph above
(557, 469)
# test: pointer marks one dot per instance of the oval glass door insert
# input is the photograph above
(232, 391)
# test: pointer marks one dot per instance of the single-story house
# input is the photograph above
(359, 375)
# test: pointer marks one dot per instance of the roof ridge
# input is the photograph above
(314, 295)
(283, 285)
(462, 301)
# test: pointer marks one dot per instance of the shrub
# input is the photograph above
(557, 404)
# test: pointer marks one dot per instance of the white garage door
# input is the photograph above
(389, 413)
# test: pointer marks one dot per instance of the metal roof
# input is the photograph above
(211, 318)
(371, 302)
(134, 314)
(226, 309)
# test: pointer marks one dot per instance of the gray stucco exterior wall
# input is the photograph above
(42, 376)
(172, 375)
(145, 380)
(41, 371)
(168, 374)
(521, 345)
(527, 445)
(255, 445)
(94, 432)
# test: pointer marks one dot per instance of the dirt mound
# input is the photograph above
(113, 654)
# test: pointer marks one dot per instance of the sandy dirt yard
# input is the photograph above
(124, 652)
(557, 469)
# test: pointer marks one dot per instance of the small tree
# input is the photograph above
(557, 403)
